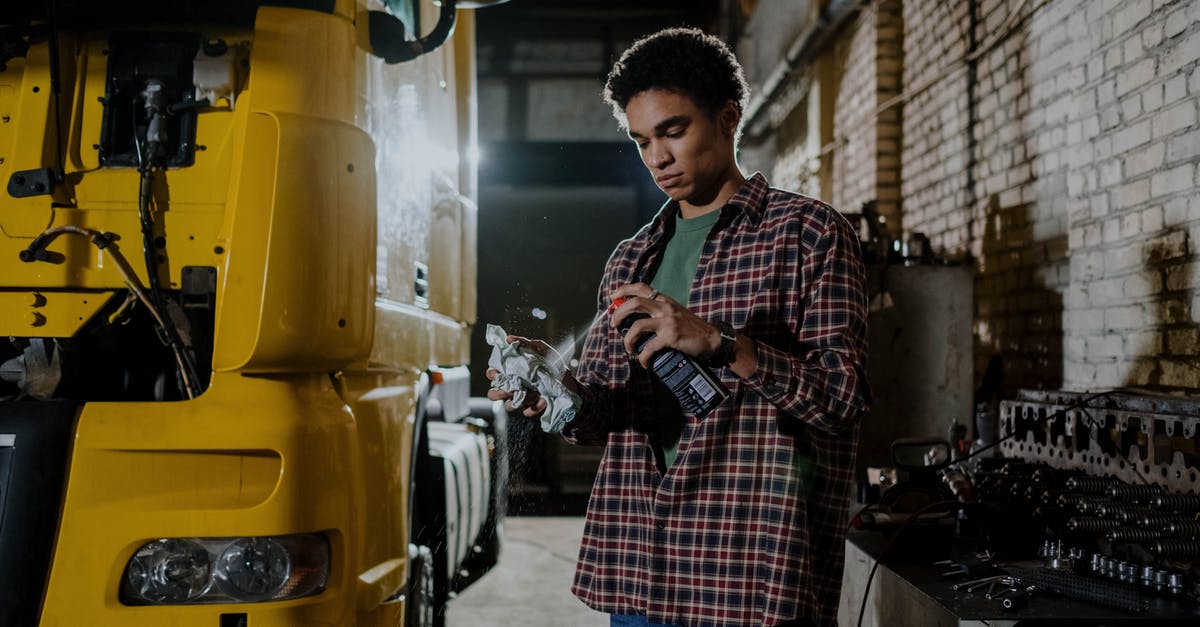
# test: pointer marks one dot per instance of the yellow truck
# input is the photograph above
(238, 281)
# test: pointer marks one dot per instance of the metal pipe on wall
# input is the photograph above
(801, 52)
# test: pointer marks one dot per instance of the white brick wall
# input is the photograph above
(1085, 186)
(1154, 148)
(1083, 211)
(854, 162)
(1080, 203)
(1013, 221)
(866, 163)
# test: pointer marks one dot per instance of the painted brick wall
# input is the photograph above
(889, 66)
(1133, 207)
(795, 148)
(1078, 199)
(854, 174)
(1062, 162)
(934, 143)
(1001, 198)
(866, 161)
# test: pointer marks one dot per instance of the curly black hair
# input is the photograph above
(683, 60)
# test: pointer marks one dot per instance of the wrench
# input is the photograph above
(971, 586)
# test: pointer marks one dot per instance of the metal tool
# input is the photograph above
(971, 586)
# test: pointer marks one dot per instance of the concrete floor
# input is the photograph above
(532, 583)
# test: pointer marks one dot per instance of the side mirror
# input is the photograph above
(388, 36)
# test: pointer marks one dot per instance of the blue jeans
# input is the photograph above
(630, 620)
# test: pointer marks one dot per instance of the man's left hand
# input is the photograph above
(673, 325)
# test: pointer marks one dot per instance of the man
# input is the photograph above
(737, 518)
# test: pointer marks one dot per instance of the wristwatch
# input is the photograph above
(725, 352)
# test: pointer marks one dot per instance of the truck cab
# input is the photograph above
(238, 287)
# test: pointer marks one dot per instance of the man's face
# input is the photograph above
(687, 152)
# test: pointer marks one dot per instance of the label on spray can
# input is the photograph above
(697, 391)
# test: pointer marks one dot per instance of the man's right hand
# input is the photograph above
(534, 405)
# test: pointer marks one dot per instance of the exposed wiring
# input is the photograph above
(105, 241)
(146, 219)
(148, 165)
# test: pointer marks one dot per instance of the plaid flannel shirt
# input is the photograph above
(747, 526)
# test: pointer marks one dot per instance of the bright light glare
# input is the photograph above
(538, 313)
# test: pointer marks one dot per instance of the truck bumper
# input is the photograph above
(254, 456)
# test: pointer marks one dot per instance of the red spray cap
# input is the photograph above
(617, 302)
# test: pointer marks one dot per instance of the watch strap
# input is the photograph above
(726, 350)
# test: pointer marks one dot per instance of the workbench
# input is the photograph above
(915, 592)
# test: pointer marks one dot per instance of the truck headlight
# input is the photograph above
(174, 571)
(170, 571)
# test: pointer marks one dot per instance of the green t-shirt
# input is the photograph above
(674, 278)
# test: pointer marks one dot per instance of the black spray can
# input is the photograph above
(696, 389)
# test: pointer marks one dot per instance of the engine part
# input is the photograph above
(1136, 439)
(1183, 528)
(1101, 487)
(1132, 534)
(1091, 524)
(1158, 520)
(1175, 583)
(1178, 502)
(1176, 548)
(1129, 515)
(149, 74)
(1089, 485)
(213, 72)
(1140, 493)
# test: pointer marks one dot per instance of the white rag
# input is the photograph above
(522, 371)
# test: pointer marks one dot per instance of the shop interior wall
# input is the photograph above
(1053, 145)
